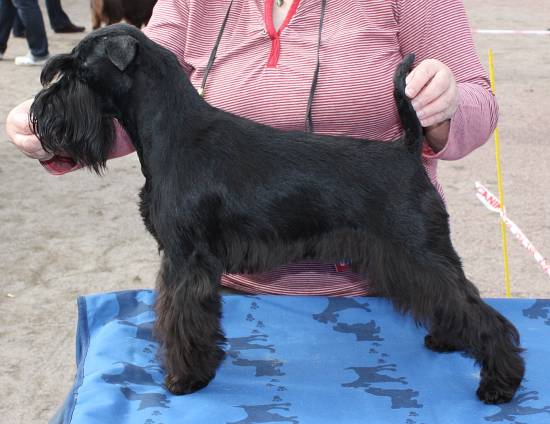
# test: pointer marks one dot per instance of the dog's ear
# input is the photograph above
(121, 50)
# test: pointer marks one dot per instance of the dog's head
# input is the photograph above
(83, 90)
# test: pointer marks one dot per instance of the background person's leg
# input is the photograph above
(31, 16)
(7, 16)
(18, 29)
(59, 21)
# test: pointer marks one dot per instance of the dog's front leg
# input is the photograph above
(188, 326)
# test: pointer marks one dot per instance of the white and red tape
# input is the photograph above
(492, 203)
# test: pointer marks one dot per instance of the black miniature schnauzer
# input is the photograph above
(225, 194)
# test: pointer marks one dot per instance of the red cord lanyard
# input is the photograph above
(309, 119)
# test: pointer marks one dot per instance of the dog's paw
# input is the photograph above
(439, 346)
(491, 393)
(179, 386)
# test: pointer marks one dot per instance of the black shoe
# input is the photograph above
(70, 28)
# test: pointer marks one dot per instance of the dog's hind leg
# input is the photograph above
(432, 286)
(96, 20)
(485, 334)
(96, 6)
(188, 310)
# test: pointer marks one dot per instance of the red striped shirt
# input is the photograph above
(265, 75)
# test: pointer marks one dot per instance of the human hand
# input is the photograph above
(434, 92)
(21, 135)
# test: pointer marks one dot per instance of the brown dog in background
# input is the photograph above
(135, 12)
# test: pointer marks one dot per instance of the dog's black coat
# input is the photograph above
(225, 194)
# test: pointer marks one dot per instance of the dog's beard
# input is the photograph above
(68, 119)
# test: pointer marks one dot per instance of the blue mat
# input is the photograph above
(298, 360)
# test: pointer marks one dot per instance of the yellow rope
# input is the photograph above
(500, 188)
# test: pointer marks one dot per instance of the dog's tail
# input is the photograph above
(409, 121)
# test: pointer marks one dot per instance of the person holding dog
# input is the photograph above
(265, 70)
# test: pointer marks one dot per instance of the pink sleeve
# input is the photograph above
(167, 27)
(440, 30)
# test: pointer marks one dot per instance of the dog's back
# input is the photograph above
(106, 11)
(135, 12)
(304, 145)
(138, 12)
